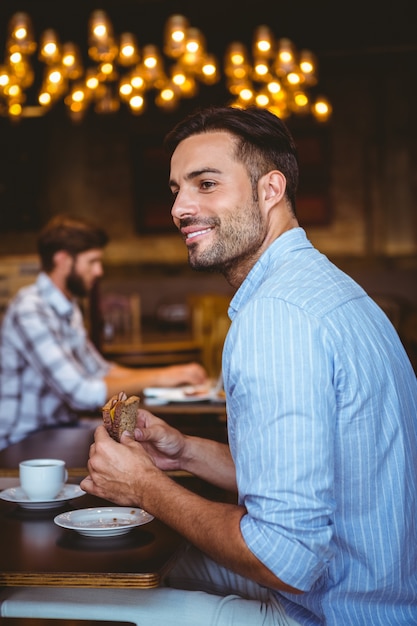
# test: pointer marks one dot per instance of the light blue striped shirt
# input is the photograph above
(322, 418)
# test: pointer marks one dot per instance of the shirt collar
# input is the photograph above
(54, 296)
(272, 258)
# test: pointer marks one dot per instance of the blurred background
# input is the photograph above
(99, 157)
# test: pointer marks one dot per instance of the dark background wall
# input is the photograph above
(364, 159)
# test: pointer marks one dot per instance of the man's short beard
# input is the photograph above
(240, 241)
(76, 285)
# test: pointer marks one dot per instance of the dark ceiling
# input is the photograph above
(326, 26)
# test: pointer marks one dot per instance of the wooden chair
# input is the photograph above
(209, 324)
(121, 316)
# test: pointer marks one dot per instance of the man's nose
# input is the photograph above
(99, 270)
(183, 207)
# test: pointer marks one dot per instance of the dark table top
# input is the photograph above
(72, 444)
(36, 551)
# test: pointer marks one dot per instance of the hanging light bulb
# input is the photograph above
(167, 98)
(49, 49)
(194, 50)
(137, 78)
(274, 76)
(20, 34)
(209, 70)
(308, 67)
(92, 79)
(285, 57)
(137, 103)
(322, 109)
(71, 61)
(263, 43)
(300, 103)
(153, 67)
(261, 70)
(128, 50)
(79, 98)
(236, 64)
(102, 47)
(21, 70)
(107, 71)
(4, 77)
(175, 33)
(125, 88)
(263, 99)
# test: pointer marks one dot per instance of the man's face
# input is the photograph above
(214, 206)
(86, 269)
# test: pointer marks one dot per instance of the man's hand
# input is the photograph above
(120, 472)
(164, 444)
(182, 374)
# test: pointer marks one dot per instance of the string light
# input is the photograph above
(274, 75)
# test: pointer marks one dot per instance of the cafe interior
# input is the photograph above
(96, 151)
(87, 94)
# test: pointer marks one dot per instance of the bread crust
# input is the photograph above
(119, 414)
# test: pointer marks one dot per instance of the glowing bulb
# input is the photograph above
(44, 98)
(293, 78)
(136, 102)
(55, 77)
(15, 58)
(21, 33)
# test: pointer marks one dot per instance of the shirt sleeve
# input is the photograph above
(65, 358)
(282, 409)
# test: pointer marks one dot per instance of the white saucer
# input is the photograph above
(17, 495)
(103, 522)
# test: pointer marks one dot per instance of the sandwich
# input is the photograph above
(119, 414)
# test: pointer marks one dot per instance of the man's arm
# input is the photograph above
(133, 380)
(130, 474)
(213, 527)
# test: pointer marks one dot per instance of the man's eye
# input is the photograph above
(207, 184)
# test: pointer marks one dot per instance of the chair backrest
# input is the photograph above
(121, 316)
(210, 323)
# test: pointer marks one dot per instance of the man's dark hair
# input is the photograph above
(74, 235)
(263, 141)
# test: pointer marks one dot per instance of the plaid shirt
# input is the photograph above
(49, 369)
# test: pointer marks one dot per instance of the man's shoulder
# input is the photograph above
(26, 298)
(312, 283)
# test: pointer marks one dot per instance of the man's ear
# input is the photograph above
(271, 189)
(62, 261)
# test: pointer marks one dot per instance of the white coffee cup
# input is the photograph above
(42, 479)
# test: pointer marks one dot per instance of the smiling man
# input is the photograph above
(321, 405)
(217, 210)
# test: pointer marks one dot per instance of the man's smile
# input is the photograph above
(190, 234)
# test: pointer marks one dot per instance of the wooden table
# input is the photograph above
(34, 551)
(153, 353)
(72, 444)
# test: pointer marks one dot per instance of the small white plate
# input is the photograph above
(17, 495)
(188, 393)
(103, 522)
